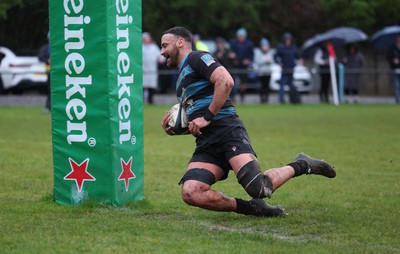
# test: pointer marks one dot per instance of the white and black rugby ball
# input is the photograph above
(178, 120)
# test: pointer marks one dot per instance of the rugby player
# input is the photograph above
(222, 142)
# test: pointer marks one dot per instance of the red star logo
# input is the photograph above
(79, 173)
(126, 173)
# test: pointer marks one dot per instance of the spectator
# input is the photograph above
(263, 59)
(286, 56)
(223, 54)
(321, 58)
(393, 57)
(243, 48)
(353, 61)
(199, 44)
(151, 58)
(44, 56)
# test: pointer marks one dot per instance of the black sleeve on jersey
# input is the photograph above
(203, 63)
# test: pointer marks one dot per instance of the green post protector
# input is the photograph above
(97, 102)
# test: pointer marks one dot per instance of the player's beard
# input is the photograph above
(172, 60)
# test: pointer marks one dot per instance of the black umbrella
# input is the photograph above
(338, 36)
(384, 38)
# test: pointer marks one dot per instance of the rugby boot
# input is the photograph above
(317, 167)
(265, 210)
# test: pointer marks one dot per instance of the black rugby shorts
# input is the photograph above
(221, 141)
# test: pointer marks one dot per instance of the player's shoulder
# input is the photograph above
(202, 57)
(198, 54)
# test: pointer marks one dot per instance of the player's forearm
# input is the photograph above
(222, 88)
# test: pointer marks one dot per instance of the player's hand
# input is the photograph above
(164, 123)
(196, 125)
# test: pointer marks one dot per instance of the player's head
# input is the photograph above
(173, 41)
(182, 32)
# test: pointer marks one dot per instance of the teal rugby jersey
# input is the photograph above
(193, 85)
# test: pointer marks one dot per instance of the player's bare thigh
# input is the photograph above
(216, 170)
(239, 160)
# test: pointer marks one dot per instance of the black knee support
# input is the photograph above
(198, 174)
(256, 184)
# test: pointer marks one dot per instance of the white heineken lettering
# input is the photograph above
(122, 34)
(74, 33)
(75, 20)
(76, 83)
(123, 82)
(122, 6)
(77, 132)
(124, 111)
(125, 77)
(76, 8)
(123, 62)
(76, 110)
(76, 61)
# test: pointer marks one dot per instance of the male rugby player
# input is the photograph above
(222, 143)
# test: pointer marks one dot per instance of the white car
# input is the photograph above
(20, 72)
(302, 78)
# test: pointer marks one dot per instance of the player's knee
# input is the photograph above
(194, 183)
(192, 193)
(256, 184)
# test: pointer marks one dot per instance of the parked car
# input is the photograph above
(19, 73)
(302, 78)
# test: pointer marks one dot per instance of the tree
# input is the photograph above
(24, 23)
(208, 18)
(5, 5)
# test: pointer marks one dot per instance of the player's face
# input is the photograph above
(169, 49)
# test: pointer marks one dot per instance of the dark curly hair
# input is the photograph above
(181, 32)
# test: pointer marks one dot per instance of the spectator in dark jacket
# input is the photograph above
(44, 56)
(353, 61)
(286, 56)
(393, 57)
(243, 49)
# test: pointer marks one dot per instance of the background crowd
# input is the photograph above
(251, 64)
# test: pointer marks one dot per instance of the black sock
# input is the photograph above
(300, 167)
(244, 207)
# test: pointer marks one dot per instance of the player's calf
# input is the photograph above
(256, 184)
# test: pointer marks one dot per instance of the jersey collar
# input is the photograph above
(183, 61)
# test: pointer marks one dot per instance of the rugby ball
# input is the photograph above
(178, 120)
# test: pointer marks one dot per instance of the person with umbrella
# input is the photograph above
(393, 57)
(321, 58)
(336, 37)
(388, 39)
(353, 61)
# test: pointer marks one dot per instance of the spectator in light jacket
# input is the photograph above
(263, 59)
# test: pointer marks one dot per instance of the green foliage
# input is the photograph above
(357, 13)
(24, 23)
(5, 5)
(209, 18)
(386, 12)
(354, 213)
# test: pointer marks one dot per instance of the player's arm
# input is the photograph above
(223, 84)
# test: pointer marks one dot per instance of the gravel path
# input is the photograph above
(39, 100)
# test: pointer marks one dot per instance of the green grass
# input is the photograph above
(357, 212)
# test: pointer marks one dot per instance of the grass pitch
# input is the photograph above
(357, 212)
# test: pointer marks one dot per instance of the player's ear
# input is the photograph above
(180, 42)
